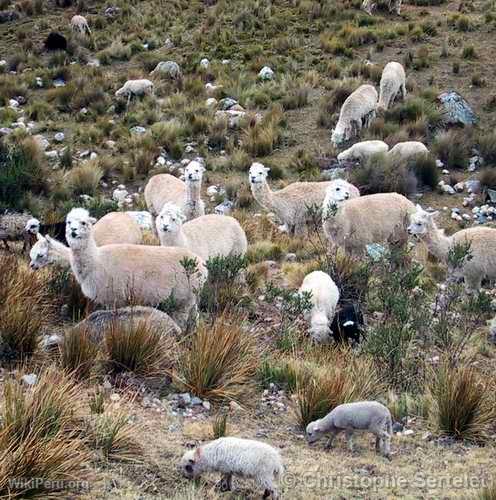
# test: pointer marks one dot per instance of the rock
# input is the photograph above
(112, 11)
(5, 131)
(473, 186)
(227, 103)
(169, 44)
(456, 110)
(39, 82)
(30, 379)
(196, 401)
(210, 88)
(397, 427)
(49, 342)
(408, 432)
(225, 208)
(207, 405)
(459, 187)
(333, 173)
(137, 130)
(185, 399)
(93, 155)
(59, 82)
(13, 103)
(290, 257)
(204, 63)
(3, 63)
(169, 69)
(52, 155)
(59, 136)
(266, 74)
(115, 397)
(212, 190)
(7, 16)
(211, 102)
(96, 322)
(446, 188)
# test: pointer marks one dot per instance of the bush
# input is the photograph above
(487, 147)
(461, 403)
(425, 169)
(332, 104)
(84, 179)
(487, 178)
(452, 148)
(78, 353)
(260, 138)
(219, 362)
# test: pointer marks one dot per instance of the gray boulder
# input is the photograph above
(456, 110)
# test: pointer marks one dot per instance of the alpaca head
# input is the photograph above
(120, 92)
(170, 219)
(32, 226)
(336, 194)
(338, 135)
(78, 226)
(39, 253)
(319, 328)
(190, 464)
(421, 222)
(194, 172)
(258, 173)
(313, 431)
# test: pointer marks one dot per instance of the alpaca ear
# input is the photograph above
(433, 215)
(92, 220)
(267, 169)
(418, 207)
(40, 237)
(49, 239)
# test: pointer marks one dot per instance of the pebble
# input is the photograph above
(266, 74)
(59, 136)
(207, 405)
(30, 379)
(137, 130)
(204, 63)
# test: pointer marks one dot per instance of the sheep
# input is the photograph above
(235, 456)
(339, 190)
(55, 41)
(347, 325)
(357, 111)
(12, 228)
(404, 151)
(207, 236)
(393, 81)
(116, 275)
(293, 204)
(135, 88)
(56, 229)
(375, 218)
(324, 298)
(80, 24)
(363, 150)
(482, 250)
(368, 416)
(163, 188)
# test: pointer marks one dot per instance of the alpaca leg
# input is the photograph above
(226, 482)
(386, 444)
(270, 489)
(349, 438)
(403, 91)
(330, 441)
(378, 444)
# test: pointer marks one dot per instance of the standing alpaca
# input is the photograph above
(291, 204)
(393, 81)
(120, 275)
(80, 24)
(482, 250)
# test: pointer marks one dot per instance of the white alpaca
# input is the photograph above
(376, 218)
(120, 275)
(293, 204)
(135, 88)
(234, 456)
(165, 188)
(482, 261)
(338, 191)
(206, 236)
(363, 150)
(393, 81)
(324, 299)
(47, 251)
(404, 151)
(357, 112)
(80, 24)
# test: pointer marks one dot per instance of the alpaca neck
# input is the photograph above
(437, 242)
(84, 259)
(263, 194)
(60, 253)
(174, 239)
(193, 192)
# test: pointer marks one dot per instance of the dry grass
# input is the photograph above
(78, 353)
(85, 178)
(220, 361)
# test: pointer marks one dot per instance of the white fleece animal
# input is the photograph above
(482, 261)
(80, 24)
(393, 6)
(135, 88)
(393, 82)
(404, 151)
(291, 204)
(206, 236)
(234, 456)
(363, 150)
(164, 188)
(376, 218)
(324, 299)
(120, 275)
(369, 416)
(338, 191)
(47, 251)
(358, 111)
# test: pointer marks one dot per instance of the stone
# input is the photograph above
(196, 401)
(50, 341)
(227, 103)
(459, 187)
(169, 69)
(398, 427)
(408, 432)
(59, 82)
(225, 208)
(52, 155)
(39, 82)
(137, 130)
(97, 321)
(456, 110)
(5, 131)
(212, 190)
(112, 11)
(207, 405)
(93, 155)
(473, 186)
(169, 44)
(185, 399)
(446, 188)
(211, 102)
(30, 379)
(13, 103)
(291, 257)
(204, 63)
(59, 136)
(115, 397)
(266, 74)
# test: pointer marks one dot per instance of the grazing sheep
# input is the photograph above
(47, 251)
(368, 416)
(347, 325)
(339, 190)
(168, 68)
(234, 456)
(363, 150)
(12, 228)
(375, 218)
(357, 111)
(56, 229)
(206, 236)
(482, 263)
(135, 88)
(80, 24)
(291, 204)
(404, 151)
(55, 41)
(163, 188)
(117, 275)
(324, 299)
(393, 81)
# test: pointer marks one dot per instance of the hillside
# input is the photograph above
(112, 418)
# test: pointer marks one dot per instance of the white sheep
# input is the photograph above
(377, 218)
(13, 228)
(363, 150)
(324, 299)
(369, 416)
(235, 456)
(393, 81)
(135, 88)
(404, 151)
(117, 275)
(206, 236)
(163, 188)
(80, 24)
(482, 261)
(358, 111)
(293, 204)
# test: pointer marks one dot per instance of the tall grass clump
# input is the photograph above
(78, 352)
(453, 148)
(39, 435)
(261, 137)
(487, 147)
(461, 403)
(219, 362)
(84, 179)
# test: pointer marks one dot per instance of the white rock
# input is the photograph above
(30, 379)
(439, 164)
(59, 136)
(3, 63)
(266, 73)
(119, 195)
(161, 161)
(13, 103)
(42, 142)
(115, 397)
(93, 156)
(459, 187)
(211, 102)
(204, 63)
(408, 432)
(446, 188)
(5, 131)
(51, 155)
(226, 61)
(212, 190)
(445, 172)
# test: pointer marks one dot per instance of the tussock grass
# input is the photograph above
(78, 353)
(85, 178)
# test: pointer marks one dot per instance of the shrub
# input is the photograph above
(85, 178)
(78, 353)
(461, 403)
(452, 148)
(219, 362)
(487, 147)
(219, 426)
(170, 136)
(334, 101)
(425, 169)
(487, 178)
(260, 138)
(469, 52)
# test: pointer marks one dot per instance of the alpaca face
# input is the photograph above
(258, 173)
(420, 222)
(189, 464)
(39, 255)
(313, 432)
(338, 192)
(32, 226)
(194, 172)
(78, 226)
(170, 219)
